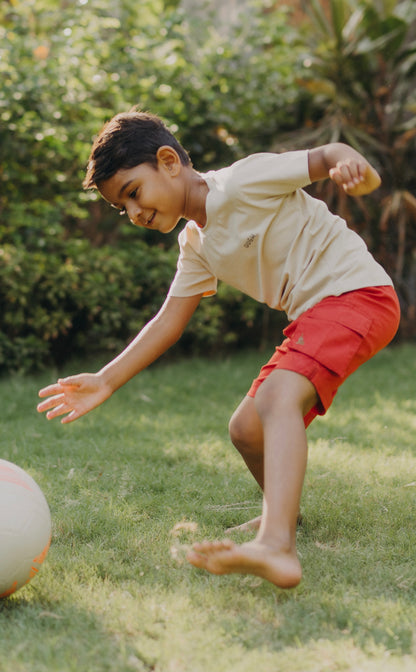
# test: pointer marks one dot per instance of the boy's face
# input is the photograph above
(152, 197)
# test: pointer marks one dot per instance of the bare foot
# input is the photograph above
(253, 525)
(225, 557)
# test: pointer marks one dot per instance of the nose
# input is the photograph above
(134, 213)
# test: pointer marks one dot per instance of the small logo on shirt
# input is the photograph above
(301, 340)
(250, 240)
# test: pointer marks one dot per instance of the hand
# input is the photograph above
(74, 396)
(356, 176)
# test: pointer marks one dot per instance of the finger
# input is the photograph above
(70, 381)
(50, 403)
(353, 170)
(353, 186)
(49, 390)
(361, 170)
(57, 411)
(349, 182)
(338, 176)
(73, 415)
(56, 388)
(348, 175)
(335, 175)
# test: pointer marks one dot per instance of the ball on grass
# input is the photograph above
(25, 528)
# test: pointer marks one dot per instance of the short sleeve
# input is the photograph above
(265, 175)
(193, 275)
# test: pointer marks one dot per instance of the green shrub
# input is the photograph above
(76, 299)
(81, 300)
(73, 278)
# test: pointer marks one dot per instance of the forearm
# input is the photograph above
(154, 339)
(74, 396)
(345, 166)
(149, 345)
(323, 159)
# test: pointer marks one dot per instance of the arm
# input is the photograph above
(77, 395)
(345, 166)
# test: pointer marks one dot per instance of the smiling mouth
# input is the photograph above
(150, 220)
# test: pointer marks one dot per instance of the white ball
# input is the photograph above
(25, 528)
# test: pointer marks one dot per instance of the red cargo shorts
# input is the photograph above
(332, 339)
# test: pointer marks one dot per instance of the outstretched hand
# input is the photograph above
(356, 176)
(74, 396)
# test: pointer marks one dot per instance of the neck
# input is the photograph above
(195, 198)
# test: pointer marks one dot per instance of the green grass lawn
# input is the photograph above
(114, 593)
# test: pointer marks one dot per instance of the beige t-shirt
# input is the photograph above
(268, 238)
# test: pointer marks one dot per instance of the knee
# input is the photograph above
(237, 430)
(244, 432)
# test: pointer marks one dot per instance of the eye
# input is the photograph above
(133, 193)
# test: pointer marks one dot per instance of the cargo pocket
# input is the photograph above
(334, 340)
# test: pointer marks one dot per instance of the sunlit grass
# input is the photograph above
(134, 483)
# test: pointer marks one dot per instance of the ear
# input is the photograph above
(168, 158)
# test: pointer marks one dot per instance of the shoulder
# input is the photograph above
(268, 172)
(262, 167)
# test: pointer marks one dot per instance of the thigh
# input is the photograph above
(285, 391)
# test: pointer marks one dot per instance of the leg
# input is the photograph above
(285, 401)
(246, 433)
(281, 402)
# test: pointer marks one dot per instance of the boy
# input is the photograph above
(253, 226)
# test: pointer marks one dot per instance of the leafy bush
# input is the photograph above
(77, 299)
(73, 279)
(83, 300)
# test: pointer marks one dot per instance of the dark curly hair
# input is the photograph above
(126, 141)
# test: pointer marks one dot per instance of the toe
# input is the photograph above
(196, 559)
